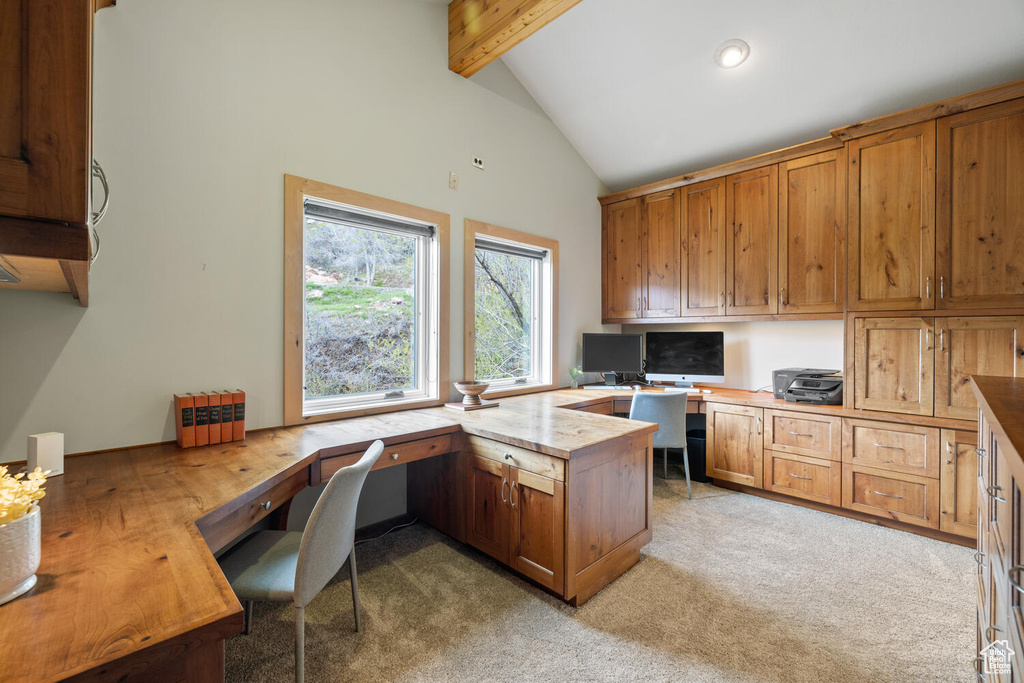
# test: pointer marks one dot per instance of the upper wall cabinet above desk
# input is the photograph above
(751, 242)
(704, 227)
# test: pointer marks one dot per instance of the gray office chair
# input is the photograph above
(289, 566)
(669, 411)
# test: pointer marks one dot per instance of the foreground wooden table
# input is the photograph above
(129, 588)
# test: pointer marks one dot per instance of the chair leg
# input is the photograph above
(300, 644)
(686, 469)
(247, 617)
(355, 586)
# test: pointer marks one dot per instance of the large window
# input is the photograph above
(511, 280)
(364, 283)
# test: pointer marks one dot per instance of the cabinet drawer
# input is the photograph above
(893, 447)
(818, 436)
(803, 477)
(603, 408)
(903, 497)
(228, 523)
(396, 454)
(531, 461)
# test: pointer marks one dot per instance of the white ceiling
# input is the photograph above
(634, 86)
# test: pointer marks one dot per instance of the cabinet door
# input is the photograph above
(621, 260)
(974, 346)
(892, 219)
(538, 528)
(812, 233)
(894, 365)
(752, 241)
(487, 517)
(660, 245)
(958, 483)
(734, 436)
(45, 76)
(980, 164)
(703, 256)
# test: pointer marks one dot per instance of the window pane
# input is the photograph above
(360, 299)
(504, 303)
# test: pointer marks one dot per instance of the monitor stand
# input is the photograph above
(611, 379)
(683, 385)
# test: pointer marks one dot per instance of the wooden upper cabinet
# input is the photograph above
(660, 246)
(622, 287)
(980, 251)
(982, 345)
(892, 219)
(703, 248)
(735, 442)
(752, 239)
(812, 232)
(45, 104)
(894, 365)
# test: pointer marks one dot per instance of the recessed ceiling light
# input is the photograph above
(731, 53)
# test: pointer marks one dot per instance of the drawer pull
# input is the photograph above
(977, 668)
(802, 434)
(888, 495)
(511, 490)
(894, 448)
(949, 452)
(982, 453)
(508, 456)
(795, 476)
(991, 491)
(266, 506)
(394, 456)
(978, 556)
(991, 638)
(504, 483)
(1010, 574)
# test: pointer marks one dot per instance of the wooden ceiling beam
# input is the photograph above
(480, 31)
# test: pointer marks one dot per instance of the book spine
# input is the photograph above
(214, 399)
(227, 416)
(238, 425)
(202, 405)
(184, 420)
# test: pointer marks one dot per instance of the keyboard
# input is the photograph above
(682, 390)
(605, 387)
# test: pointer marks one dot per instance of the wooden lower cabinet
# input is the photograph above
(803, 477)
(487, 514)
(958, 483)
(735, 447)
(902, 497)
(537, 542)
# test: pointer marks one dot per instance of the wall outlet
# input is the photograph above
(453, 180)
(478, 162)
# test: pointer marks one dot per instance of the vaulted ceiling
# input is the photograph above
(634, 86)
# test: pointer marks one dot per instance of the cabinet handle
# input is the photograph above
(888, 495)
(644, 303)
(977, 668)
(942, 287)
(801, 434)
(785, 297)
(928, 287)
(799, 477)
(511, 490)
(266, 506)
(978, 559)
(97, 216)
(982, 453)
(988, 634)
(758, 425)
(927, 339)
(721, 299)
(942, 339)
(1013, 570)
(508, 456)
(892, 448)
(949, 452)
(638, 304)
(991, 491)
(889, 278)
(504, 483)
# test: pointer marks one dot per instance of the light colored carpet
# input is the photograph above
(733, 588)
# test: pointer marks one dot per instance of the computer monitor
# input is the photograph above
(685, 357)
(612, 353)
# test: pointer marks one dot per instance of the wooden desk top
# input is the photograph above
(125, 569)
(1003, 399)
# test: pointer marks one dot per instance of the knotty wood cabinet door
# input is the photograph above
(703, 248)
(892, 219)
(621, 262)
(979, 345)
(894, 364)
(980, 217)
(660, 241)
(752, 242)
(537, 513)
(735, 442)
(812, 233)
(958, 483)
(487, 518)
(45, 109)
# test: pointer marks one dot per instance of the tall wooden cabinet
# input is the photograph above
(703, 248)
(892, 219)
(751, 242)
(980, 254)
(812, 233)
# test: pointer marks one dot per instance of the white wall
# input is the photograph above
(200, 109)
(753, 350)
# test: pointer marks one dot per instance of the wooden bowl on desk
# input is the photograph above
(471, 390)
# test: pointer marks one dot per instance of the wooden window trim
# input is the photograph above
(295, 189)
(472, 229)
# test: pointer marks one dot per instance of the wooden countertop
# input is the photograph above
(1003, 398)
(124, 567)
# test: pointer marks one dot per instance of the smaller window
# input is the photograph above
(510, 309)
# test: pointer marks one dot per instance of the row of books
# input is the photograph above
(209, 417)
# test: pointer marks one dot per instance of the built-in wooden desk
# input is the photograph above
(128, 585)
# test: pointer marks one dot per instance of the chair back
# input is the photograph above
(330, 531)
(668, 410)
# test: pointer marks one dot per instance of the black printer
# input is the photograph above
(809, 385)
